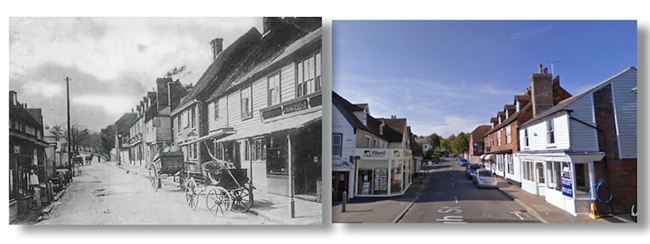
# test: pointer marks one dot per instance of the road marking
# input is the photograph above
(517, 213)
(456, 199)
(452, 185)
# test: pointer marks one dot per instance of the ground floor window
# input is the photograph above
(276, 155)
(527, 170)
(397, 177)
(554, 172)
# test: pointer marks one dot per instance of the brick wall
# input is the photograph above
(622, 171)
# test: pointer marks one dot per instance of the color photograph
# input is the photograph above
(484, 121)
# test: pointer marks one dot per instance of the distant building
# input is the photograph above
(476, 143)
(122, 135)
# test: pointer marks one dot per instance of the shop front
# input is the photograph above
(563, 178)
(383, 172)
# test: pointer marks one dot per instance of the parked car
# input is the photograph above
(463, 162)
(483, 178)
(469, 171)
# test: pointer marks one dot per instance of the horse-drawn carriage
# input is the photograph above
(164, 164)
(228, 188)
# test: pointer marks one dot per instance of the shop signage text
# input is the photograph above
(567, 184)
(374, 153)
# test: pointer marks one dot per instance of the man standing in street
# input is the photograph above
(36, 186)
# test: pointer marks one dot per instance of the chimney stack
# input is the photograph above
(163, 91)
(13, 97)
(217, 47)
(541, 91)
(269, 23)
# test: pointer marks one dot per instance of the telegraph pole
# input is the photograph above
(67, 88)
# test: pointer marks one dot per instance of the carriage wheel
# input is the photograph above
(153, 177)
(218, 201)
(191, 194)
(242, 199)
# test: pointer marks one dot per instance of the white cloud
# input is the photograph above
(38, 88)
(114, 105)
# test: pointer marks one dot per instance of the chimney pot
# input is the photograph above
(540, 69)
(545, 70)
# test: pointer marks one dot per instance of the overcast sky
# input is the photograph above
(448, 77)
(111, 62)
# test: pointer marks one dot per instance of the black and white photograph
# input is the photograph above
(165, 121)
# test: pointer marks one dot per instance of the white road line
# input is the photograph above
(452, 185)
(517, 213)
(455, 198)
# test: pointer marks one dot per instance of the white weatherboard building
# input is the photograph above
(574, 145)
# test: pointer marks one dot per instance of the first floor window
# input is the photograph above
(526, 137)
(274, 89)
(337, 144)
(550, 132)
(215, 105)
(246, 103)
(309, 75)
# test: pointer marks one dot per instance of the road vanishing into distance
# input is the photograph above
(450, 197)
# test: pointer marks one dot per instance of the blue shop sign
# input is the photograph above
(567, 183)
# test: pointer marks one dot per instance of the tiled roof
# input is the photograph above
(281, 43)
(226, 61)
(480, 131)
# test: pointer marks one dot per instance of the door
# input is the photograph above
(340, 184)
(539, 178)
(365, 186)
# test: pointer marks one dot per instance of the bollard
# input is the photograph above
(345, 200)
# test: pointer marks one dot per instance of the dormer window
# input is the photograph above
(517, 106)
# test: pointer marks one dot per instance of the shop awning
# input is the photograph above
(488, 157)
(213, 135)
(275, 126)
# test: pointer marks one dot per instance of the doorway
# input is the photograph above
(539, 178)
(340, 184)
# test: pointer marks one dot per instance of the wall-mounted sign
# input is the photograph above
(296, 106)
(272, 113)
(16, 149)
(374, 153)
(396, 153)
(567, 184)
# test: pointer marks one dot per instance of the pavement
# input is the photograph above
(390, 210)
(272, 207)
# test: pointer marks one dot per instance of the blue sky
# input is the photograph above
(450, 76)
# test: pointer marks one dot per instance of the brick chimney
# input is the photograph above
(217, 47)
(162, 92)
(541, 91)
(269, 23)
(13, 98)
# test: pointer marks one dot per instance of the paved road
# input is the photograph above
(106, 195)
(449, 197)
